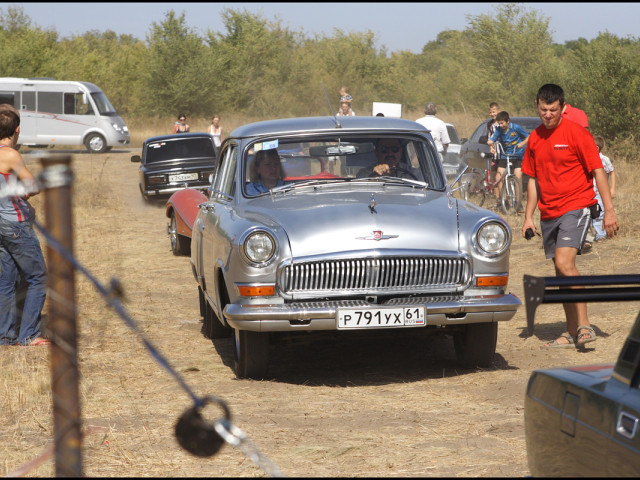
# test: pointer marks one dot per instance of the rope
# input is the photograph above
(227, 431)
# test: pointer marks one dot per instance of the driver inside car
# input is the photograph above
(265, 172)
(388, 155)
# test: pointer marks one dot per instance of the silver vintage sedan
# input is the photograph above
(342, 224)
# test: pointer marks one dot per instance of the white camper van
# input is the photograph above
(56, 112)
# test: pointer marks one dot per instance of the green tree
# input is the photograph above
(349, 59)
(26, 51)
(253, 63)
(108, 60)
(173, 77)
(514, 51)
(604, 82)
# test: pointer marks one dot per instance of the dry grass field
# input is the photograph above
(395, 407)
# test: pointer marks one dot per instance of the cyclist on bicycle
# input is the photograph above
(514, 139)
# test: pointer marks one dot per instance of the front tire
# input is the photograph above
(475, 344)
(95, 143)
(251, 354)
(212, 327)
(180, 245)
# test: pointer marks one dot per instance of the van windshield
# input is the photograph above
(104, 105)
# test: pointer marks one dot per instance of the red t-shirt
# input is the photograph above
(576, 115)
(562, 159)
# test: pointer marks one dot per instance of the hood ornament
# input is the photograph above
(377, 235)
(372, 205)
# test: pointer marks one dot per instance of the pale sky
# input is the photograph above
(397, 26)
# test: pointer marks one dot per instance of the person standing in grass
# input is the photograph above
(216, 130)
(611, 178)
(20, 251)
(562, 160)
(181, 125)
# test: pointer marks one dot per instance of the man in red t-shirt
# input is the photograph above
(562, 159)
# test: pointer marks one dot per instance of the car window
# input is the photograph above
(224, 181)
(529, 124)
(337, 159)
(481, 130)
(453, 134)
(179, 149)
(229, 184)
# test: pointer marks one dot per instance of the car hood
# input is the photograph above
(342, 221)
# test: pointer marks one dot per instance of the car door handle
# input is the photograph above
(209, 207)
(627, 425)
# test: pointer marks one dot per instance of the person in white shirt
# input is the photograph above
(438, 128)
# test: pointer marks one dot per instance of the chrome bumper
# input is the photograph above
(441, 311)
(169, 191)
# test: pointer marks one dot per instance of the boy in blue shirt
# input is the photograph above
(514, 140)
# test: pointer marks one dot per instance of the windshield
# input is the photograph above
(104, 105)
(280, 162)
(182, 149)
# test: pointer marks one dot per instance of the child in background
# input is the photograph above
(611, 176)
(345, 97)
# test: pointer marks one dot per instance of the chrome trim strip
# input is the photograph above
(259, 317)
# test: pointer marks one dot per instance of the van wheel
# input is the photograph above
(96, 143)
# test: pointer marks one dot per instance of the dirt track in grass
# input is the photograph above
(361, 407)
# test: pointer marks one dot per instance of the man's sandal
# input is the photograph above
(592, 337)
(555, 344)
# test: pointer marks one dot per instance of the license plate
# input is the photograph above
(181, 177)
(349, 318)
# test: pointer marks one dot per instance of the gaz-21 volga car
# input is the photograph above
(582, 421)
(345, 225)
(173, 162)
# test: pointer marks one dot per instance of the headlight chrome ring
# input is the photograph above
(492, 238)
(259, 247)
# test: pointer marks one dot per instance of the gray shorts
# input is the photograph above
(568, 230)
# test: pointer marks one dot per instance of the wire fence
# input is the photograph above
(197, 435)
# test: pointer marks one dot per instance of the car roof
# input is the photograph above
(326, 124)
(175, 136)
(526, 119)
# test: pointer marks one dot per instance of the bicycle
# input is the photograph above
(477, 185)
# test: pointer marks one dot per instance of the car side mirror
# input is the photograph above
(483, 139)
(136, 158)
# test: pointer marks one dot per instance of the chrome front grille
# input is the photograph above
(375, 275)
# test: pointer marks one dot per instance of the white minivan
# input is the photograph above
(54, 112)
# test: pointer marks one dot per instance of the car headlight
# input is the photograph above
(492, 238)
(259, 247)
(120, 129)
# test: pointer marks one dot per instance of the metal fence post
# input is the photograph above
(57, 177)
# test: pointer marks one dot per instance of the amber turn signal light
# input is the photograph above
(492, 281)
(256, 291)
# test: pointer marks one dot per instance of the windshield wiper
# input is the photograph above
(395, 180)
(307, 183)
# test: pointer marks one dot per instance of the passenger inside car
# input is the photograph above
(265, 172)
